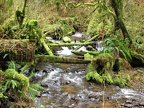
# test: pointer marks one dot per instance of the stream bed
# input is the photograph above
(65, 86)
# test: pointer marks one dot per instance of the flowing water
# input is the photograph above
(65, 86)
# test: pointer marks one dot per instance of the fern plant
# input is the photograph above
(34, 89)
(12, 65)
(114, 45)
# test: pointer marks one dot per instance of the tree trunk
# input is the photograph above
(119, 24)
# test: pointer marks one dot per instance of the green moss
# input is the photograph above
(120, 66)
(100, 70)
(1, 72)
(97, 77)
(60, 28)
(22, 79)
(93, 74)
(88, 56)
(107, 77)
(1, 95)
(66, 39)
(89, 76)
(106, 61)
(122, 79)
(32, 23)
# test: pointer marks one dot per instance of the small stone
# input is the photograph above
(129, 102)
(128, 105)
(141, 103)
(92, 99)
(122, 104)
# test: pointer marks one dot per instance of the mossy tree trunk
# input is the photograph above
(117, 5)
(21, 14)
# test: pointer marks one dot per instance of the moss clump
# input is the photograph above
(107, 77)
(22, 79)
(122, 79)
(92, 74)
(32, 24)
(88, 56)
(100, 70)
(100, 67)
(1, 95)
(66, 39)
(97, 77)
(104, 63)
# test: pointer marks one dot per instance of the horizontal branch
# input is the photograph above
(71, 44)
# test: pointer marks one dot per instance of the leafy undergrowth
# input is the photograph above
(132, 78)
(16, 90)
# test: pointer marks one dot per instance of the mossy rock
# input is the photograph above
(92, 74)
(66, 39)
(104, 60)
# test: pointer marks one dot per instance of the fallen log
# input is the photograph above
(59, 59)
(71, 44)
(46, 47)
(18, 50)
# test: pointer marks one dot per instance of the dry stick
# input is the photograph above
(91, 39)
(103, 97)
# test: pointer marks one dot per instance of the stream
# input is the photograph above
(65, 86)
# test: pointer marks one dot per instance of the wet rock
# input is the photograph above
(66, 82)
(129, 105)
(94, 97)
(71, 106)
(142, 103)
(87, 105)
(74, 97)
(129, 102)
(39, 75)
(90, 48)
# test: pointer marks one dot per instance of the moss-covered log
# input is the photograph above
(19, 50)
(46, 47)
(71, 44)
(58, 59)
(84, 52)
